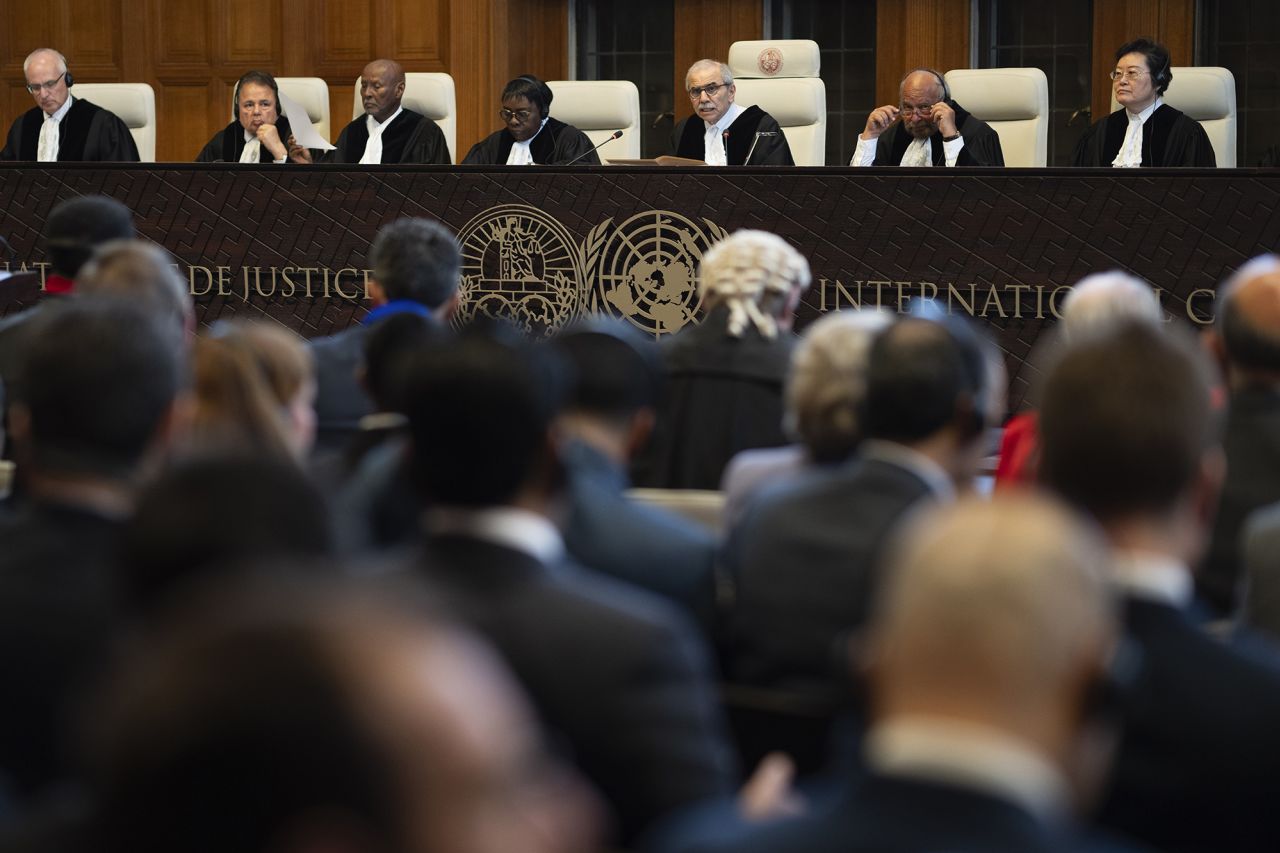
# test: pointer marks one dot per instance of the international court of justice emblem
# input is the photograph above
(645, 269)
(520, 264)
(769, 61)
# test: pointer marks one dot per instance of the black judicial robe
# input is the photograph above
(410, 138)
(981, 143)
(228, 144)
(555, 145)
(1169, 138)
(688, 136)
(87, 133)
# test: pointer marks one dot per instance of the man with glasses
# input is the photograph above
(62, 127)
(926, 128)
(530, 136)
(1145, 131)
(722, 133)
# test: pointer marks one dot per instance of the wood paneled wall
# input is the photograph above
(193, 51)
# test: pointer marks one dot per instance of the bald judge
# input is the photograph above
(387, 132)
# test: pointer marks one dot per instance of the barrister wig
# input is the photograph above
(755, 274)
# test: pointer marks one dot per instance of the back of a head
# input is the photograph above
(479, 413)
(616, 371)
(759, 276)
(418, 260)
(215, 514)
(142, 273)
(1126, 421)
(97, 380)
(79, 225)
(388, 348)
(921, 376)
(990, 606)
(1249, 319)
(827, 382)
(1099, 301)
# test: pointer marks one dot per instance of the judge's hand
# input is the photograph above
(270, 139)
(879, 120)
(297, 153)
(944, 118)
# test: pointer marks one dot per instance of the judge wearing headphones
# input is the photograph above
(61, 127)
(530, 136)
(260, 134)
(927, 128)
(1145, 131)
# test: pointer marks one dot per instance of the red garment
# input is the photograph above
(54, 283)
(1019, 451)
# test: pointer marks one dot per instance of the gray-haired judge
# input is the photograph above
(723, 133)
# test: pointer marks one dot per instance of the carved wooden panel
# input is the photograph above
(250, 34)
(704, 30)
(416, 33)
(178, 34)
(918, 33)
(1171, 22)
(91, 37)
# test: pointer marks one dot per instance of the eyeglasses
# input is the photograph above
(695, 92)
(922, 110)
(508, 115)
(1131, 75)
(48, 85)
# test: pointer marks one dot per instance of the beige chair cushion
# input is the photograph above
(1015, 102)
(313, 94)
(598, 108)
(781, 77)
(134, 103)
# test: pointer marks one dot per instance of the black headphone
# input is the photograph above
(1163, 77)
(946, 90)
(67, 78)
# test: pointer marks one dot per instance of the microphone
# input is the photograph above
(616, 134)
(756, 141)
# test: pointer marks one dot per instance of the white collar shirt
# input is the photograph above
(510, 527)
(373, 148)
(713, 142)
(1152, 577)
(50, 133)
(1130, 154)
(520, 154)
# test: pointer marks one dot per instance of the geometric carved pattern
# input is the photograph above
(1000, 245)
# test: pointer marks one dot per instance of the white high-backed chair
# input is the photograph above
(598, 108)
(1015, 102)
(134, 103)
(781, 77)
(1208, 95)
(312, 93)
(431, 93)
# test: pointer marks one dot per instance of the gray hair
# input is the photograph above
(1104, 300)
(416, 259)
(143, 274)
(705, 64)
(827, 382)
(62, 60)
(755, 274)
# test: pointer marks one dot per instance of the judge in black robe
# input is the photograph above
(1169, 138)
(87, 133)
(411, 137)
(526, 103)
(771, 149)
(257, 107)
(981, 143)
(228, 144)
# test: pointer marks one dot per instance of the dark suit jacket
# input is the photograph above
(1199, 763)
(723, 395)
(884, 814)
(805, 560)
(981, 143)
(642, 545)
(57, 616)
(618, 674)
(1261, 561)
(1252, 445)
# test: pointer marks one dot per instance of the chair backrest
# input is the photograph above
(781, 77)
(431, 93)
(312, 93)
(134, 103)
(1208, 95)
(598, 108)
(1015, 102)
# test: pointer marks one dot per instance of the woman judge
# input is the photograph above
(531, 137)
(1145, 131)
(259, 134)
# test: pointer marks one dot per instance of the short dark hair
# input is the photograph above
(98, 378)
(920, 373)
(181, 530)
(480, 411)
(1158, 60)
(79, 225)
(416, 259)
(528, 86)
(388, 349)
(1248, 346)
(617, 372)
(1126, 420)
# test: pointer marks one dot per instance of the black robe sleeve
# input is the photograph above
(1169, 138)
(13, 142)
(556, 145)
(770, 150)
(108, 140)
(485, 152)
(411, 138)
(981, 144)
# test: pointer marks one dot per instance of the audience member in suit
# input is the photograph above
(620, 675)
(1246, 341)
(415, 266)
(207, 516)
(805, 558)
(1095, 303)
(725, 374)
(825, 388)
(1129, 435)
(296, 716)
(103, 383)
(617, 378)
(987, 662)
